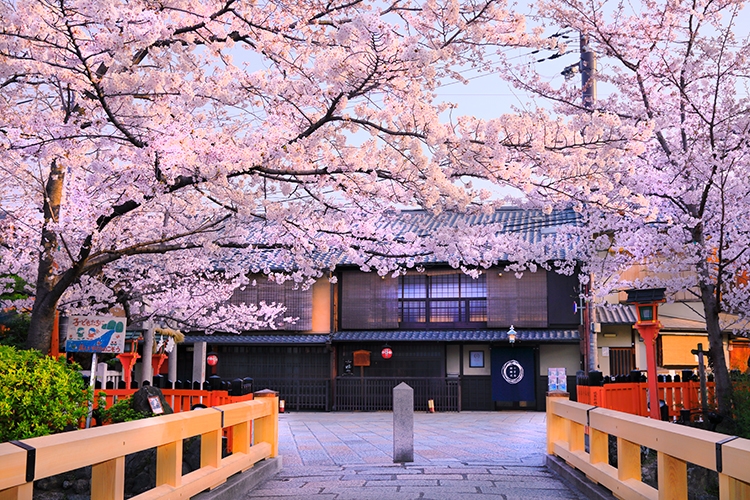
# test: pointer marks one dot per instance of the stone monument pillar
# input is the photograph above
(403, 423)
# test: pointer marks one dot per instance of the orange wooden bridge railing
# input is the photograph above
(254, 425)
(568, 423)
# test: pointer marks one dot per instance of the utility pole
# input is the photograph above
(588, 73)
(588, 96)
(587, 67)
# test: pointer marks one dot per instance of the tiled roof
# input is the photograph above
(390, 336)
(622, 314)
(455, 335)
(615, 314)
(532, 225)
(269, 339)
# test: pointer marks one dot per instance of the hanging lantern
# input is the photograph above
(212, 359)
(387, 352)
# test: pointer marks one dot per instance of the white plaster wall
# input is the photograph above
(560, 356)
(623, 336)
(477, 371)
(453, 360)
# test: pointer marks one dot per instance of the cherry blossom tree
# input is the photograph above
(664, 183)
(152, 151)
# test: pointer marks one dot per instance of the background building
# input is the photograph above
(442, 331)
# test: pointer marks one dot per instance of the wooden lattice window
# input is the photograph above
(298, 301)
(447, 298)
(521, 302)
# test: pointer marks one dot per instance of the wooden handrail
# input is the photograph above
(105, 449)
(676, 445)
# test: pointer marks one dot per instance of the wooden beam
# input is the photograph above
(628, 460)
(169, 464)
(266, 429)
(735, 456)
(247, 410)
(598, 446)
(576, 436)
(108, 479)
(207, 477)
(72, 450)
(732, 489)
(693, 445)
(556, 426)
(12, 465)
(672, 474)
(606, 475)
(571, 410)
(211, 449)
(241, 437)
(22, 492)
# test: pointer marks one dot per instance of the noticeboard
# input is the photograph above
(95, 334)
(361, 358)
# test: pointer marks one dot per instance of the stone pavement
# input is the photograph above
(472, 455)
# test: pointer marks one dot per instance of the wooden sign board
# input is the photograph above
(362, 358)
(96, 334)
(156, 406)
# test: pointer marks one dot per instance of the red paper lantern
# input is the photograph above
(387, 352)
(212, 359)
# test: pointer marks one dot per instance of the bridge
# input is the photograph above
(511, 452)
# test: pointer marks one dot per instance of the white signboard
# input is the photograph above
(95, 334)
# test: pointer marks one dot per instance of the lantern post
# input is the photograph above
(647, 302)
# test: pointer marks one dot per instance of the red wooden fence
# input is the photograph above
(179, 399)
(630, 397)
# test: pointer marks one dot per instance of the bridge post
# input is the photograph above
(556, 427)
(267, 428)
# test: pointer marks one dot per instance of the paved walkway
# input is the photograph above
(472, 455)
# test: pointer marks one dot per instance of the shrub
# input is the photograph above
(14, 328)
(741, 396)
(121, 411)
(39, 395)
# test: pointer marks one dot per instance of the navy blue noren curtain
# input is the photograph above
(513, 374)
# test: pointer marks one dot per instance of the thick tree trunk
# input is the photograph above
(45, 300)
(40, 328)
(716, 346)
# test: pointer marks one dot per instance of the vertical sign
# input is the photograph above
(557, 379)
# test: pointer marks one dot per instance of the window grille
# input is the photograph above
(298, 302)
(449, 299)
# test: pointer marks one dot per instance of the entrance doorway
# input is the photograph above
(621, 360)
(513, 377)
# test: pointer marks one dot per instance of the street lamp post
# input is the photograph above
(647, 323)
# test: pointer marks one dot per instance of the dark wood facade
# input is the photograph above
(419, 316)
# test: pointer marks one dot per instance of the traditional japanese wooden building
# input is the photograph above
(467, 343)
